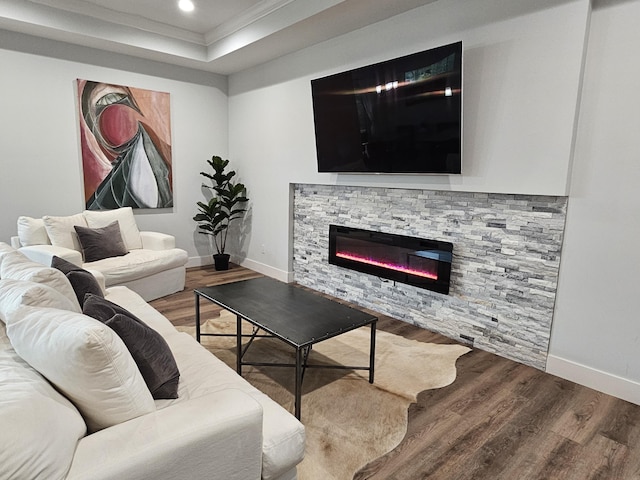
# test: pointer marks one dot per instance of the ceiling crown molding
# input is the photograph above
(236, 39)
(248, 17)
(113, 17)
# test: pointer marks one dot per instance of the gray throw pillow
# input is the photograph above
(147, 347)
(99, 243)
(82, 282)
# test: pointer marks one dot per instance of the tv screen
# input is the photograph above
(399, 116)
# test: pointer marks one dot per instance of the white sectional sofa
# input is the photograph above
(153, 267)
(74, 405)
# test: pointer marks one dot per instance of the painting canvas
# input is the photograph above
(125, 136)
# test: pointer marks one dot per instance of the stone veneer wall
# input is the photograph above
(506, 257)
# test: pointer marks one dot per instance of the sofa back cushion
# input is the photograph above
(147, 347)
(4, 250)
(31, 231)
(40, 428)
(125, 218)
(61, 232)
(15, 293)
(16, 266)
(85, 360)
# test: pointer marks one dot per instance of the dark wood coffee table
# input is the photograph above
(297, 317)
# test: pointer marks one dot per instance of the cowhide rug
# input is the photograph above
(349, 422)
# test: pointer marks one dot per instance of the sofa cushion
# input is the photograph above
(85, 360)
(17, 267)
(81, 280)
(140, 308)
(31, 231)
(61, 232)
(138, 264)
(4, 250)
(15, 293)
(283, 436)
(101, 242)
(40, 428)
(125, 218)
(147, 347)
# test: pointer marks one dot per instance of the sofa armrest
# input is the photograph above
(44, 253)
(157, 241)
(217, 436)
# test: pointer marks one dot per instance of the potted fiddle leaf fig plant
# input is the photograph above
(225, 205)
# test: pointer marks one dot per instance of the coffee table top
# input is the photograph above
(295, 315)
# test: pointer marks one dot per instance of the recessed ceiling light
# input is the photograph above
(186, 5)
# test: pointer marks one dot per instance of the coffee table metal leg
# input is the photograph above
(372, 352)
(197, 317)
(298, 399)
(239, 344)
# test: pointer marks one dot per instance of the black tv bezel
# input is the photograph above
(381, 66)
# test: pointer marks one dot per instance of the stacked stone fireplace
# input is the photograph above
(504, 263)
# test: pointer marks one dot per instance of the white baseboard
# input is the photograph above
(199, 261)
(598, 380)
(268, 270)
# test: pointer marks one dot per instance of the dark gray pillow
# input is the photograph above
(83, 282)
(147, 347)
(99, 243)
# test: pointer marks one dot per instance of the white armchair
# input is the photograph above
(153, 266)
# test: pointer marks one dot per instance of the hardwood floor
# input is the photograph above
(499, 420)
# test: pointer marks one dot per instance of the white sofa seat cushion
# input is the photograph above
(283, 436)
(40, 428)
(85, 360)
(125, 218)
(138, 264)
(17, 267)
(216, 437)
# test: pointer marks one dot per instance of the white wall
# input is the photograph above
(522, 80)
(596, 329)
(39, 145)
(522, 74)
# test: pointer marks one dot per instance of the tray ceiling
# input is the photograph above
(221, 36)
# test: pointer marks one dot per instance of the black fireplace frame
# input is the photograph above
(443, 251)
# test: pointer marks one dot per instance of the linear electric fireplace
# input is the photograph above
(414, 261)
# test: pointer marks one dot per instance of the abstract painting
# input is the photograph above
(125, 137)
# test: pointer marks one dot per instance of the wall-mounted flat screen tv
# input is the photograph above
(399, 116)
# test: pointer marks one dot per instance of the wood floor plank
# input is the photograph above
(499, 420)
(584, 415)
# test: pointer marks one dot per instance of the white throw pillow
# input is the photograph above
(15, 293)
(18, 267)
(31, 231)
(40, 428)
(85, 360)
(61, 232)
(125, 218)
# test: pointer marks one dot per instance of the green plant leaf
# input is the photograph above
(214, 216)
